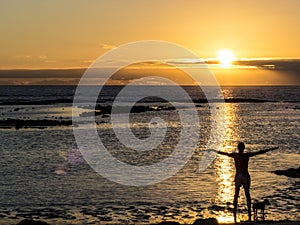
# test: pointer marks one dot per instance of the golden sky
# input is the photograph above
(73, 33)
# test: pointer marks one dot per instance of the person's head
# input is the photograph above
(241, 147)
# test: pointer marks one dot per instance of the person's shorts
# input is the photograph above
(242, 180)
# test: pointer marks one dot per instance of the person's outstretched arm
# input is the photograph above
(262, 151)
(221, 153)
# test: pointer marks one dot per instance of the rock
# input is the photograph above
(292, 172)
(32, 222)
(169, 223)
(209, 221)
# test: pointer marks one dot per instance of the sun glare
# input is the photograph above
(225, 57)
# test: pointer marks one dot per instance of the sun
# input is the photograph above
(225, 57)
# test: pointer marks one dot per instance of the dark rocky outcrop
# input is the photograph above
(209, 221)
(19, 123)
(168, 223)
(32, 222)
(292, 172)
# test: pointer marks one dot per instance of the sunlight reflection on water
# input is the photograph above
(224, 166)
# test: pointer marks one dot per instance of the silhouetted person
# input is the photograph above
(242, 176)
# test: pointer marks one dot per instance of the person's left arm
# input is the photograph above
(262, 151)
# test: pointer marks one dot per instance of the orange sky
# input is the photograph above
(73, 33)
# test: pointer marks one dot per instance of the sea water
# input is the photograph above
(39, 181)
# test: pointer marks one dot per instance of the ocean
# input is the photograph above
(44, 177)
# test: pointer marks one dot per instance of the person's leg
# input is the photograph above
(235, 200)
(248, 197)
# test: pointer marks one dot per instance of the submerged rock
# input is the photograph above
(40, 123)
(32, 222)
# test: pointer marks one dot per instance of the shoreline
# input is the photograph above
(210, 221)
(265, 222)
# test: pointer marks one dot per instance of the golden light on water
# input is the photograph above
(225, 168)
(226, 188)
(225, 173)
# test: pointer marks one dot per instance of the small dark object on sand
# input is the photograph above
(209, 221)
(261, 206)
(32, 222)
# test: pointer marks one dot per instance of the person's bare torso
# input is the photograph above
(241, 161)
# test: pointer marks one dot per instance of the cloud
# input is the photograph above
(50, 61)
(23, 56)
(56, 82)
(35, 74)
(89, 61)
(188, 61)
(292, 65)
(107, 46)
(278, 71)
(43, 57)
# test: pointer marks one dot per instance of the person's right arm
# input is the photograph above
(221, 153)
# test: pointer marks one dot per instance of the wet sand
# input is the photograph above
(246, 223)
(40, 222)
(210, 221)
